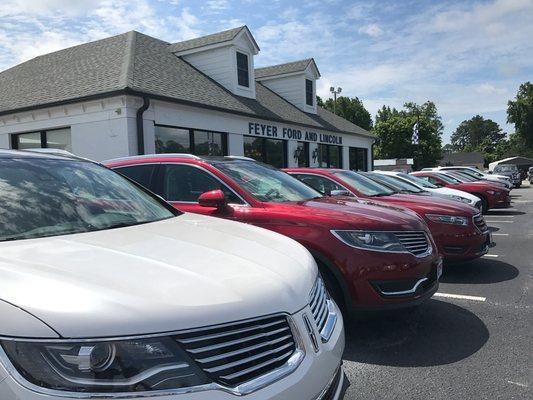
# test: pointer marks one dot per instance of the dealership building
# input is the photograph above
(134, 94)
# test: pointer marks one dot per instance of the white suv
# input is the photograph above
(108, 292)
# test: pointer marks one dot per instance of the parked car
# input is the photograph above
(458, 229)
(511, 171)
(109, 292)
(481, 176)
(530, 174)
(351, 241)
(492, 195)
(444, 192)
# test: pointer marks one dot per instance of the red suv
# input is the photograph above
(459, 230)
(492, 194)
(371, 257)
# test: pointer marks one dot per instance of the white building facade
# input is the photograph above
(151, 105)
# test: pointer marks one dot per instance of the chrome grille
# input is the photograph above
(323, 310)
(233, 354)
(414, 241)
(479, 222)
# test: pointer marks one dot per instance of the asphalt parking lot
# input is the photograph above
(473, 340)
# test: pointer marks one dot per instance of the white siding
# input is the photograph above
(215, 63)
(291, 88)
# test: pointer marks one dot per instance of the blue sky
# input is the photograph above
(469, 57)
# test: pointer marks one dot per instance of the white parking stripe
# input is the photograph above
(500, 234)
(459, 296)
(498, 222)
(499, 216)
(491, 255)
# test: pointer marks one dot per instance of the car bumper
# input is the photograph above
(402, 282)
(318, 377)
(464, 247)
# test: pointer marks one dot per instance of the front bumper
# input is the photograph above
(465, 247)
(319, 376)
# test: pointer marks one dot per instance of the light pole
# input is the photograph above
(335, 93)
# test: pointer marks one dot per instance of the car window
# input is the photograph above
(418, 181)
(266, 183)
(395, 182)
(319, 183)
(364, 185)
(142, 174)
(186, 183)
(45, 197)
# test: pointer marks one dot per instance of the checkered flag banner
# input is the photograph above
(414, 138)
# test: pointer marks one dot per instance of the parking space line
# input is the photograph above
(500, 234)
(491, 255)
(498, 222)
(459, 296)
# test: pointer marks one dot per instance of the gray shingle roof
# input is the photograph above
(219, 37)
(139, 64)
(287, 68)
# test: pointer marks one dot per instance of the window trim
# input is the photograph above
(44, 143)
(237, 52)
(263, 149)
(328, 158)
(158, 184)
(191, 137)
(312, 92)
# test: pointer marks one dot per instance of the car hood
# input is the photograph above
(423, 204)
(455, 192)
(343, 212)
(185, 272)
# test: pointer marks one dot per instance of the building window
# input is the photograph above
(358, 159)
(269, 151)
(309, 98)
(51, 139)
(179, 140)
(329, 156)
(243, 75)
(301, 154)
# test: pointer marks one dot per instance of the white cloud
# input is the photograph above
(371, 30)
(217, 5)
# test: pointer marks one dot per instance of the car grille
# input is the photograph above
(233, 354)
(414, 242)
(319, 305)
(479, 221)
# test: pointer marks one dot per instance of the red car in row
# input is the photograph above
(458, 229)
(492, 194)
(371, 256)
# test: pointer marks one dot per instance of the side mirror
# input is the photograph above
(213, 199)
(340, 193)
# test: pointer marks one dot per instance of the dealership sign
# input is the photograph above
(290, 133)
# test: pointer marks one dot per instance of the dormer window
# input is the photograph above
(309, 92)
(243, 73)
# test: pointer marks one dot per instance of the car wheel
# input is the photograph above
(332, 286)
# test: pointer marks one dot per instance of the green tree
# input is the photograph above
(477, 134)
(520, 113)
(351, 109)
(319, 101)
(394, 130)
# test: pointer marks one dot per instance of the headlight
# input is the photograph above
(448, 219)
(459, 198)
(377, 241)
(493, 192)
(103, 367)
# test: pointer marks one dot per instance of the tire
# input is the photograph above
(484, 204)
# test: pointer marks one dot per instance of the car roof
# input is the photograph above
(10, 154)
(182, 156)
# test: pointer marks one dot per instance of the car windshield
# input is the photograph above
(448, 178)
(266, 183)
(418, 181)
(472, 172)
(462, 177)
(505, 168)
(401, 185)
(50, 197)
(364, 185)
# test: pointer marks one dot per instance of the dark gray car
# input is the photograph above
(511, 171)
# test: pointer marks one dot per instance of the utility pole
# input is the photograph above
(335, 93)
